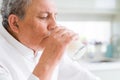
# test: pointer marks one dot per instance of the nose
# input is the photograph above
(52, 23)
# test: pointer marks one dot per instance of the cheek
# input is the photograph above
(35, 28)
(40, 28)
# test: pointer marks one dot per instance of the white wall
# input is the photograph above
(89, 6)
(83, 17)
(86, 9)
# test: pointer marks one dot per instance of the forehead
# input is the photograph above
(43, 5)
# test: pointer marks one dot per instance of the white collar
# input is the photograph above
(24, 50)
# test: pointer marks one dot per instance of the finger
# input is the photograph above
(75, 37)
(68, 35)
(56, 29)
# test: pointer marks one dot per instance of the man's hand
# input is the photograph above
(55, 46)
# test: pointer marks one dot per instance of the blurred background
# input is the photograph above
(98, 24)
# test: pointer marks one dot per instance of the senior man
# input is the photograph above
(32, 45)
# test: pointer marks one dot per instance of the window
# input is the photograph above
(90, 30)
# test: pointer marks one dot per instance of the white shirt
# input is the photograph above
(17, 62)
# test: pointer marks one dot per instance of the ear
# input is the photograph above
(12, 20)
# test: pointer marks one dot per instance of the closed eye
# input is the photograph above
(43, 17)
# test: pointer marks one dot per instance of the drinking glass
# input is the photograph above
(76, 49)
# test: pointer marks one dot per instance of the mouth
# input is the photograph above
(47, 35)
(45, 38)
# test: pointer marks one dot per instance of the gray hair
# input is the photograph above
(16, 7)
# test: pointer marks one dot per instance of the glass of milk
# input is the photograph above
(76, 49)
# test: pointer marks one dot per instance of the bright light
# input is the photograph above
(90, 30)
(110, 4)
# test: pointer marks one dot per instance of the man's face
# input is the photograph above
(37, 23)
